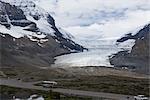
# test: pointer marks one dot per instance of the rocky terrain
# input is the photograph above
(138, 58)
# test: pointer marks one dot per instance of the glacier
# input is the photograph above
(98, 53)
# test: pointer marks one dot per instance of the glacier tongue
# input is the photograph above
(97, 55)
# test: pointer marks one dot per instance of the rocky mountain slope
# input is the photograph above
(29, 37)
(138, 58)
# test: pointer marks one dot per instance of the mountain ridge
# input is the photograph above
(139, 56)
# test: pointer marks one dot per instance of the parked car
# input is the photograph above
(140, 97)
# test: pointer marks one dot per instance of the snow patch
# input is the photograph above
(127, 45)
(65, 33)
(17, 32)
(43, 25)
(2, 35)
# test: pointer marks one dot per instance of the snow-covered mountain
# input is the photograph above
(29, 36)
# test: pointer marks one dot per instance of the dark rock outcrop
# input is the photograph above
(12, 15)
(139, 57)
(23, 51)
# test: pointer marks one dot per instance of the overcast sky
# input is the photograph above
(98, 18)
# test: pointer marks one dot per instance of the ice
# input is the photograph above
(87, 58)
(65, 33)
(127, 45)
(97, 55)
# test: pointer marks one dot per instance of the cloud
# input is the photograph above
(98, 18)
(85, 12)
(113, 28)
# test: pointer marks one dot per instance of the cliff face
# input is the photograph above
(30, 39)
(138, 58)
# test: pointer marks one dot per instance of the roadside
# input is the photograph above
(11, 93)
(29, 85)
(71, 91)
(94, 94)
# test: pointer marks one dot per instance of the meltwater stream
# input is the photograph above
(97, 55)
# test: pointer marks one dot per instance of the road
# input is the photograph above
(20, 84)
(29, 85)
(94, 94)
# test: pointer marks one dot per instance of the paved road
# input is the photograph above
(20, 84)
(29, 85)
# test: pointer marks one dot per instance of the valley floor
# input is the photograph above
(96, 79)
(26, 73)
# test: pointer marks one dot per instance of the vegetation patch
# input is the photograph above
(110, 84)
(8, 92)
